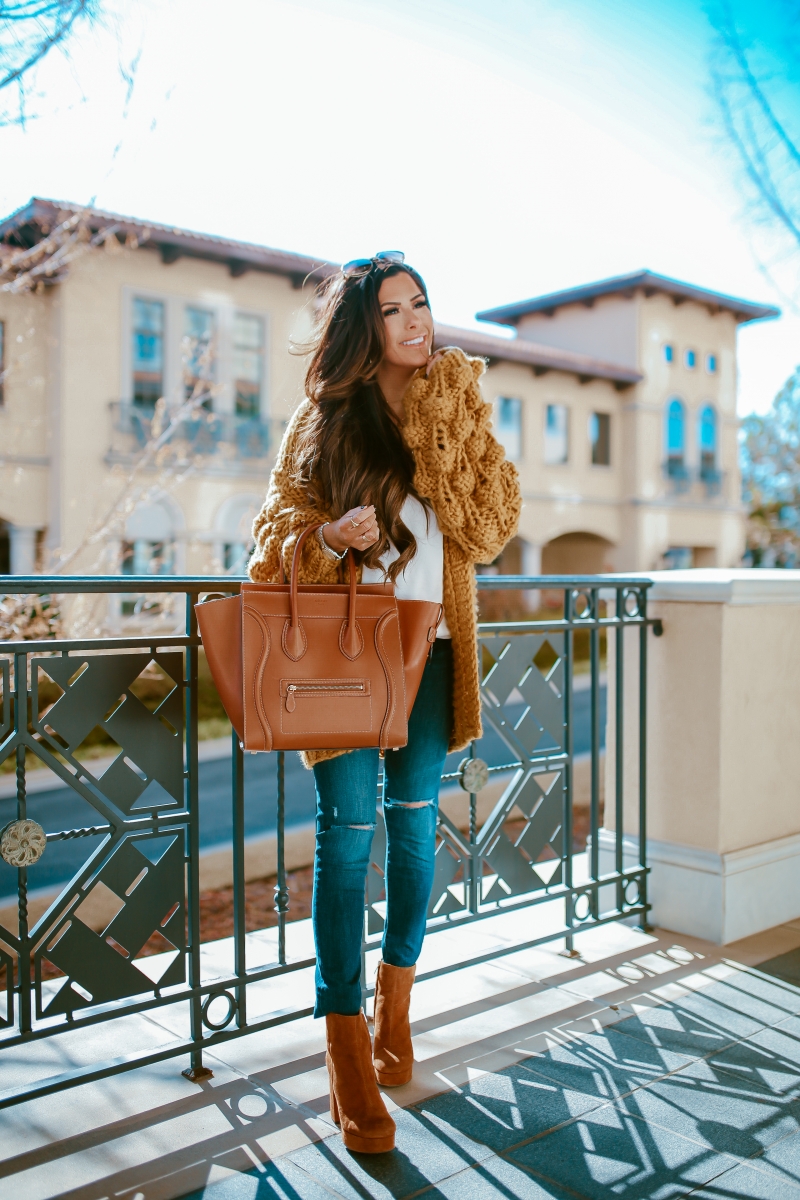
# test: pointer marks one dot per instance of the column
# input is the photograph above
(22, 549)
(531, 565)
(723, 752)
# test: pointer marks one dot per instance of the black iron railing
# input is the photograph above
(143, 844)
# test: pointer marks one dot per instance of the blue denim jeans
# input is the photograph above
(347, 789)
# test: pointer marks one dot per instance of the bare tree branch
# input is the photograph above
(29, 29)
(747, 100)
(770, 457)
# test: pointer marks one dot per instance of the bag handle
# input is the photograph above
(295, 642)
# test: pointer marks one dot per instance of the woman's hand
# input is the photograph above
(357, 530)
(432, 361)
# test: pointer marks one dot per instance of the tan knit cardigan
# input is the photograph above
(460, 469)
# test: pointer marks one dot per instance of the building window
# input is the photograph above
(148, 546)
(690, 358)
(143, 557)
(678, 558)
(711, 364)
(198, 354)
(708, 445)
(600, 437)
(148, 351)
(509, 426)
(676, 439)
(669, 353)
(248, 363)
(235, 556)
(556, 434)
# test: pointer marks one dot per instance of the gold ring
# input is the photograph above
(355, 524)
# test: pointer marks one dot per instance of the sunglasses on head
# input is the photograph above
(363, 266)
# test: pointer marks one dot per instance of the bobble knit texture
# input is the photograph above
(460, 469)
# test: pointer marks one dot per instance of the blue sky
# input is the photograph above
(510, 147)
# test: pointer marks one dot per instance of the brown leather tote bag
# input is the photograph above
(317, 666)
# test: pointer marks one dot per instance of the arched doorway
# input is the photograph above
(510, 604)
(577, 554)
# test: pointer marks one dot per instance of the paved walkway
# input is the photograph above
(651, 1066)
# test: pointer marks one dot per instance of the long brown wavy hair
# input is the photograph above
(353, 451)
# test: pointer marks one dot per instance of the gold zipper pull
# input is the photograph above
(290, 700)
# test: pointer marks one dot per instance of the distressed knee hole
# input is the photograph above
(372, 827)
(409, 803)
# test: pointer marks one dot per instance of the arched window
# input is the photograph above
(149, 544)
(676, 438)
(707, 437)
(233, 537)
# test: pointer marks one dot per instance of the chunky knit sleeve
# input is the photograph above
(460, 467)
(287, 511)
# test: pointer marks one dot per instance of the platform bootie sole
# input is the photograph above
(357, 1106)
(392, 1052)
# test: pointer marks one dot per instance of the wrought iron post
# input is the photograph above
(196, 1071)
(569, 659)
(619, 743)
(24, 960)
(239, 895)
(281, 890)
(594, 809)
(643, 631)
(475, 860)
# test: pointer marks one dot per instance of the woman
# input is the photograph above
(392, 450)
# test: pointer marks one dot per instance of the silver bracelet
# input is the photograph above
(327, 550)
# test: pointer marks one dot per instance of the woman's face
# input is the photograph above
(407, 321)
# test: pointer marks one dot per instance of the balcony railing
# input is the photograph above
(142, 825)
(677, 473)
(218, 442)
(711, 479)
(682, 478)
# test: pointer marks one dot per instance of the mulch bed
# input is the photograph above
(216, 908)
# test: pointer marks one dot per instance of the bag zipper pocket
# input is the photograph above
(292, 688)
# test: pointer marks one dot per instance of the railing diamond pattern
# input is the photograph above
(151, 894)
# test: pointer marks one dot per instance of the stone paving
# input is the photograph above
(693, 1090)
(651, 1066)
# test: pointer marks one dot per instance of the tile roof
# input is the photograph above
(540, 358)
(20, 229)
(648, 281)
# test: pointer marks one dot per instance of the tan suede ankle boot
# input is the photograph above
(392, 1052)
(356, 1104)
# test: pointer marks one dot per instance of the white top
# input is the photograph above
(423, 576)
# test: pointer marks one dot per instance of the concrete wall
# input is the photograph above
(24, 434)
(606, 329)
(576, 496)
(723, 752)
(691, 518)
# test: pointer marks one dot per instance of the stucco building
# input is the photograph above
(617, 401)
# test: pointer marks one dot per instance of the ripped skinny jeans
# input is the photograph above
(347, 789)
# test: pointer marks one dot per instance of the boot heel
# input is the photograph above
(332, 1091)
(356, 1104)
